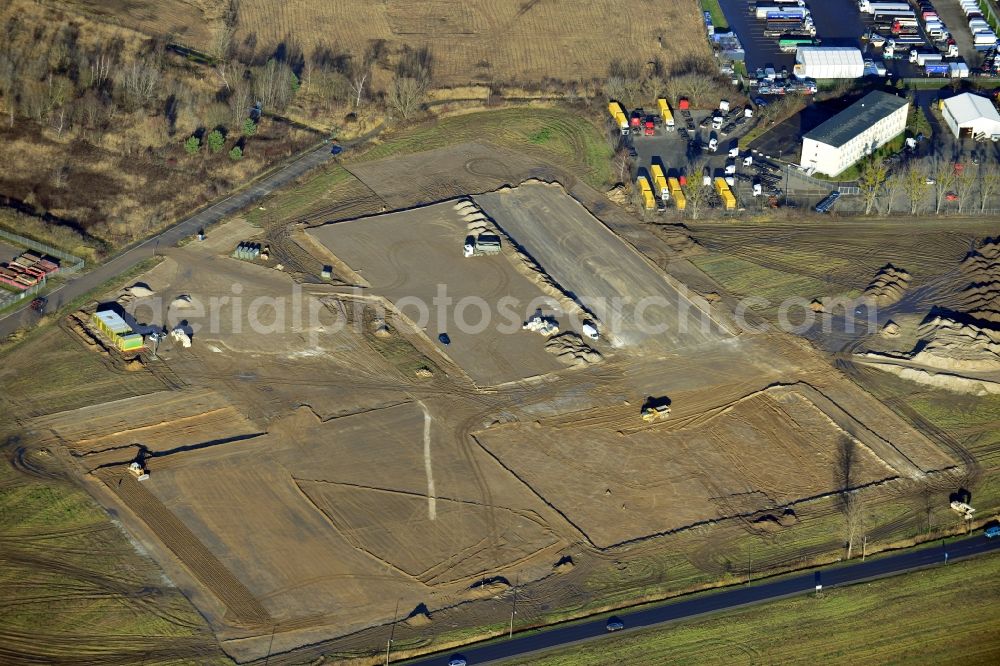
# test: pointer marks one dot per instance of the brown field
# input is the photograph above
(491, 40)
(619, 487)
(413, 254)
(309, 476)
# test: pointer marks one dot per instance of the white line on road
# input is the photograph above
(431, 495)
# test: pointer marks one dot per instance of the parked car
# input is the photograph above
(336, 149)
(444, 339)
(614, 624)
(457, 661)
(38, 305)
(992, 532)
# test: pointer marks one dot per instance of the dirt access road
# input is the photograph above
(183, 229)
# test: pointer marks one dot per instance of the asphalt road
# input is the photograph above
(185, 228)
(494, 652)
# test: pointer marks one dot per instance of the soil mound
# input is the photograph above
(890, 330)
(182, 302)
(888, 285)
(981, 297)
(420, 617)
(572, 350)
(963, 346)
(140, 290)
(942, 380)
(564, 565)
(617, 195)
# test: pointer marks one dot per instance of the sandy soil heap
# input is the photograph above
(952, 345)
(981, 298)
(888, 286)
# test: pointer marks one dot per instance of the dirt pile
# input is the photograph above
(888, 285)
(182, 302)
(420, 617)
(953, 345)
(617, 194)
(572, 350)
(981, 298)
(942, 380)
(890, 330)
(564, 565)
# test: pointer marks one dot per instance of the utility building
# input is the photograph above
(855, 132)
(971, 115)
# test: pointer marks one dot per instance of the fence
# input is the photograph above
(8, 298)
(68, 263)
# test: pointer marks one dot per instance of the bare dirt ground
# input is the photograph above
(432, 175)
(8, 252)
(620, 286)
(412, 257)
(305, 475)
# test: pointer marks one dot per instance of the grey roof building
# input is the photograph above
(872, 121)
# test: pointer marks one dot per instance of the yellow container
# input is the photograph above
(660, 185)
(648, 200)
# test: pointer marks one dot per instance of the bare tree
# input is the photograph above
(989, 182)
(915, 186)
(871, 180)
(848, 498)
(964, 182)
(944, 177)
(893, 186)
(413, 74)
(406, 95)
(360, 71)
(240, 99)
(622, 163)
(139, 82)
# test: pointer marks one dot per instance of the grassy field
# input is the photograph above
(935, 616)
(718, 18)
(560, 136)
(329, 184)
(75, 588)
(745, 278)
(488, 40)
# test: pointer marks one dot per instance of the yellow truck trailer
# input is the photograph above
(675, 191)
(726, 194)
(665, 113)
(660, 185)
(648, 200)
(619, 116)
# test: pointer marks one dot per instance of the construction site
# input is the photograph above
(321, 452)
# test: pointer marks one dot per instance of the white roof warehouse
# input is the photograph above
(971, 115)
(855, 132)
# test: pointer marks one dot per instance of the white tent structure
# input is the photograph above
(821, 62)
(971, 115)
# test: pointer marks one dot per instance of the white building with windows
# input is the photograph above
(855, 132)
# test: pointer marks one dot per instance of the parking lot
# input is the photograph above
(676, 151)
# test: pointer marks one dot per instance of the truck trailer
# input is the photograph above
(666, 114)
(660, 185)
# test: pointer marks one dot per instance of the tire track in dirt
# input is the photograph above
(242, 607)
